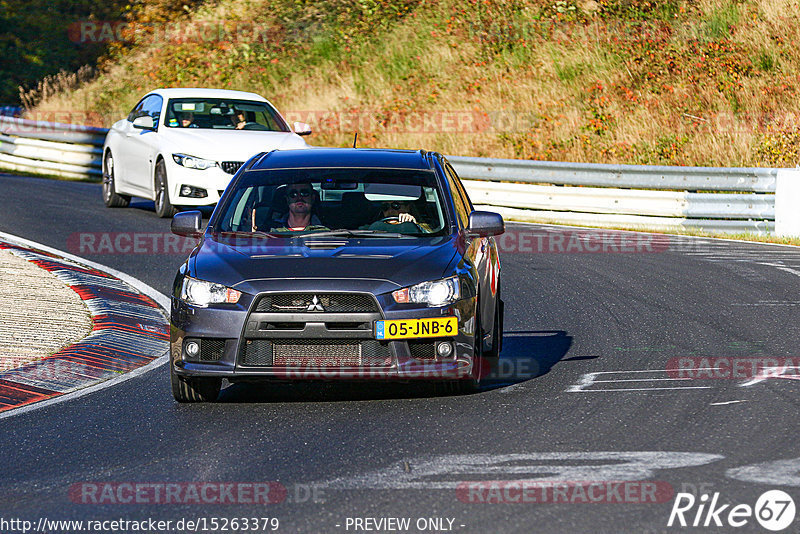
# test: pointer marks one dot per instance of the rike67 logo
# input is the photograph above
(774, 510)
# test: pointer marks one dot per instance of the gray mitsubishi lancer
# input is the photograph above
(328, 264)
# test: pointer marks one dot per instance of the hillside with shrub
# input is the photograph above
(673, 82)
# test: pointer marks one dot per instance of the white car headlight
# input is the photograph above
(436, 293)
(202, 293)
(192, 162)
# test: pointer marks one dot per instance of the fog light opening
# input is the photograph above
(192, 348)
(444, 349)
(193, 192)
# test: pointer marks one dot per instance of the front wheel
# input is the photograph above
(164, 207)
(497, 330)
(110, 197)
(472, 383)
(186, 389)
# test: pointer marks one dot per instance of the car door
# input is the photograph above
(122, 130)
(478, 250)
(141, 147)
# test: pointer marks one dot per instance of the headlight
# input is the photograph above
(437, 293)
(202, 293)
(191, 162)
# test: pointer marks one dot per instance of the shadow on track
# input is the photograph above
(141, 204)
(526, 355)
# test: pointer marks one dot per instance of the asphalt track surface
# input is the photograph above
(401, 451)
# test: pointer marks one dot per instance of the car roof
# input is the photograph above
(198, 92)
(344, 157)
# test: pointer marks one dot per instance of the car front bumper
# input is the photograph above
(211, 181)
(239, 343)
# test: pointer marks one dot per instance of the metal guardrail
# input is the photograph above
(756, 180)
(630, 196)
(633, 196)
(51, 148)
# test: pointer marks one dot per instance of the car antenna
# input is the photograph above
(355, 140)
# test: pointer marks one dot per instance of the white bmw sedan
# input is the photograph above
(181, 147)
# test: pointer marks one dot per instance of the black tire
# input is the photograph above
(110, 197)
(472, 383)
(194, 389)
(164, 207)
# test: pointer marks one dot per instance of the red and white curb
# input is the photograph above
(130, 332)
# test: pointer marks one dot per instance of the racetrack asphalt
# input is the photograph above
(586, 390)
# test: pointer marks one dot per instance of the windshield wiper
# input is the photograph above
(353, 233)
(257, 233)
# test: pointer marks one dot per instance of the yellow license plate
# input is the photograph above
(416, 328)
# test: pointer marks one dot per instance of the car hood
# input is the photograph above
(372, 264)
(228, 145)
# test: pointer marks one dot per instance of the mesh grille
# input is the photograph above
(330, 302)
(231, 166)
(422, 350)
(211, 350)
(258, 352)
(316, 352)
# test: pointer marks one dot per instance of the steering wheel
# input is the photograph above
(253, 126)
(396, 220)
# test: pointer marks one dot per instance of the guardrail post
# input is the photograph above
(787, 203)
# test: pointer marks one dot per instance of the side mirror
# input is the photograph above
(485, 224)
(145, 122)
(301, 128)
(187, 224)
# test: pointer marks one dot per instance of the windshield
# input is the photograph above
(351, 202)
(223, 114)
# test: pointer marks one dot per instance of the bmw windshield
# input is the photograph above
(345, 202)
(223, 114)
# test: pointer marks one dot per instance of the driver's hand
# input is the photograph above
(406, 217)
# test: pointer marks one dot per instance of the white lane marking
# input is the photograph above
(590, 379)
(776, 473)
(512, 388)
(447, 471)
(161, 299)
(726, 402)
(613, 390)
(772, 303)
(780, 267)
(638, 380)
(772, 372)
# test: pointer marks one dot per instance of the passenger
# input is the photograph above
(397, 216)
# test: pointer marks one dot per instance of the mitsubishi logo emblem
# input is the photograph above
(315, 305)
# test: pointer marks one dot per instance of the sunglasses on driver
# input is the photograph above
(294, 193)
(395, 205)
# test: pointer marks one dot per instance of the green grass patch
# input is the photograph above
(721, 22)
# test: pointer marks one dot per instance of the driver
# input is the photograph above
(300, 199)
(187, 119)
(239, 120)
